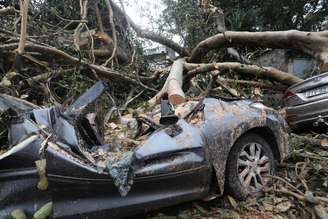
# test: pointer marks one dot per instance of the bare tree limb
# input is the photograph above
(98, 15)
(312, 43)
(55, 54)
(112, 25)
(263, 72)
(23, 32)
(151, 35)
(222, 82)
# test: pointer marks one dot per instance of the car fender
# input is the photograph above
(226, 121)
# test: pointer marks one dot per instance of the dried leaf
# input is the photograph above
(324, 142)
(41, 168)
(44, 212)
(18, 214)
(112, 125)
(5, 82)
(283, 206)
(268, 207)
(232, 201)
(257, 91)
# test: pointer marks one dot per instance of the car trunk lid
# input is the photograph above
(312, 89)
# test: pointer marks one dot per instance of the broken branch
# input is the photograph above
(172, 85)
(152, 35)
(52, 52)
(23, 12)
(263, 72)
(312, 43)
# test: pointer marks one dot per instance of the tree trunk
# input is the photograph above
(312, 43)
(172, 86)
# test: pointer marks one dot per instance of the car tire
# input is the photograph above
(250, 159)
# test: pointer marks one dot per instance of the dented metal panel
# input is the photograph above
(154, 174)
(226, 121)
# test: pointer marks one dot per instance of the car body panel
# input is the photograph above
(226, 121)
(307, 102)
(173, 165)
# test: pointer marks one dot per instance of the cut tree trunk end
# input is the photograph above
(172, 86)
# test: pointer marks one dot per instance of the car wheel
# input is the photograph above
(250, 160)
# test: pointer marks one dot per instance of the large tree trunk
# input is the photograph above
(312, 43)
(173, 84)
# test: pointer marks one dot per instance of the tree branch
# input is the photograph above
(112, 25)
(23, 31)
(98, 15)
(55, 54)
(151, 35)
(263, 72)
(312, 43)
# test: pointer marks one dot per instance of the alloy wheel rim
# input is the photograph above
(252, 166)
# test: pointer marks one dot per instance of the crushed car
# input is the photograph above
(149, 160)
(307, 104)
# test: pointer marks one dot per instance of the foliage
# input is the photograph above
(192, 23)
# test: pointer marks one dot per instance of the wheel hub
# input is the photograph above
(252, 166)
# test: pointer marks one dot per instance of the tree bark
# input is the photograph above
(172, 86)
(105, 53)
(23, 31)
(263, 72)
(312, 43)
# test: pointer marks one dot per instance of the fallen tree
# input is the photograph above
(312, 43)
(182, 70)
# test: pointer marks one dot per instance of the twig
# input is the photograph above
(221, 82)
(286, 182)
(130, 100)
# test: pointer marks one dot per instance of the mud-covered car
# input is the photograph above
(307, 103)
(218, 145)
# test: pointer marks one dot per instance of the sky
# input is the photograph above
(143, 10)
